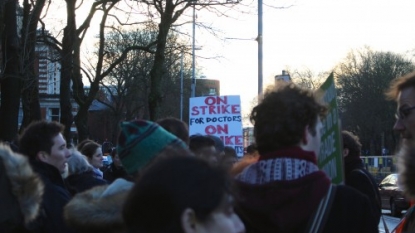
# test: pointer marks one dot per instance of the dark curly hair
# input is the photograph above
(280, 118)
(351, 142)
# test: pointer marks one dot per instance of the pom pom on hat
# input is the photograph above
(140, 141)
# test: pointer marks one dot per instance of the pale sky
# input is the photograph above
(315, 34)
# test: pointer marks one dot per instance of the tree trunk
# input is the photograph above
(157, 71)
(30, 93)
(10, 82)
(81, 122)
(68, 41)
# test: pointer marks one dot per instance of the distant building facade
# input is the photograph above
(284, 76)
(207, 87)
(248, 136)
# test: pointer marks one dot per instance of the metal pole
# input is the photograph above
(181, 87)
(259, 47)
(193, 87)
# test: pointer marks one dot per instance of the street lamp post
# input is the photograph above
(193, 87)
(259, 39)
(181, 87)
(194, 3)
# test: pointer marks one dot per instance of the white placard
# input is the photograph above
(219, 116)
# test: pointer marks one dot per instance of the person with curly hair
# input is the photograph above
(282, 192)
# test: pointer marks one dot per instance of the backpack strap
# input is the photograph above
(320, 216)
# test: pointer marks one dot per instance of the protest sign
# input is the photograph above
(219, 116)
(330, 159)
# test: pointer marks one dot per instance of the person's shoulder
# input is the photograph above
(349, 195)
(350, 205)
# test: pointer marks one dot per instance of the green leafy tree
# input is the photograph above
(362, 79)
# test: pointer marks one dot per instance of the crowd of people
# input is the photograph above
(161, 180)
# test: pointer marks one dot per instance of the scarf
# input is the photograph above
(280, 192)
(98, 173)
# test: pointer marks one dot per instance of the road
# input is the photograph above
(391, 222)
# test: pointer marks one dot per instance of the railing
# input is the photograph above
(380, 166)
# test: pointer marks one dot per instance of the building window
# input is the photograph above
(212, 91)
(54, 114)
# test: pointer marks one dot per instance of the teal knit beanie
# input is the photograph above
(140, 141)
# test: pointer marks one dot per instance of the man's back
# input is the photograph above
(270, 200)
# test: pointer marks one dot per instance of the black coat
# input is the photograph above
(80, 182)
(55, 197)
(360, 179)
(349, 213)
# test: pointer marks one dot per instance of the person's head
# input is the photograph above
(176, 127)
(115, 158)
(288, 116)
(43, 141)
(78, 163)
(81, 144)
(140, 141)
(351, 144)
(402, 90)
(203, 146)
(219, 145)
(183, 194)
(252, 150)
(228, 158)
(93, 153)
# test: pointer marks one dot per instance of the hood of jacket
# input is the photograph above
(25, 184)
(98, 209)
(279, 193)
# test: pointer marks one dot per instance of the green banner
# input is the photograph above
(330, 159)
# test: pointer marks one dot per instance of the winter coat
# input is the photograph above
(360, 179)
(99, 209)
(55, 197)
(20, 192)
(77, 183)
(282, 190)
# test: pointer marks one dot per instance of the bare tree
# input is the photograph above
(307, 78)
(10, 78)
(128, 84)
(30, 90)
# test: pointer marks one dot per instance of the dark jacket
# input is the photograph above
(282, 190)
(77, 183)
(20, 192)
(111, 173)
(55, 197)
(360, 179)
